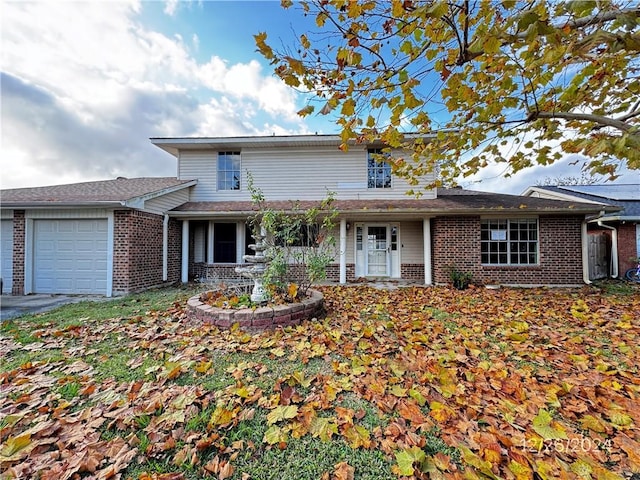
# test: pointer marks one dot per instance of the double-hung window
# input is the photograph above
(378, 170)
(509, 241)
(228, 170)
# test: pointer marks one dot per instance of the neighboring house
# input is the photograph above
(124, 235)
(614, 236)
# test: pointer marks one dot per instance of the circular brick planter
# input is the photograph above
(261, 318)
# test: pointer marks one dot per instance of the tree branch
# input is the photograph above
(587, 117)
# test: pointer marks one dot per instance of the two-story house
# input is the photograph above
(123, 235)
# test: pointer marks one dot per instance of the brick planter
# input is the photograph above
(257, 319)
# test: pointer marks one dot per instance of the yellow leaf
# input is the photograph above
(357, 436)
(281, 413)
(582, 469)
(275, 435)
(522, 472)
(203, 366)
(542, 426)
(293, 290)
(589, 422)
(406, 459)
(278, 352)
(324, 428)
(13, 448)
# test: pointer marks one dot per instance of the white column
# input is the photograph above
(210, 243)
(240, 241)
(426, 235)
(343, 251)
(185, 251)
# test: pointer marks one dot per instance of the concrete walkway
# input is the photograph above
(12, 306)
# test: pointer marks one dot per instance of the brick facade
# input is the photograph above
(456, 242)
(18, 252)
(137, 251)
(627, 246)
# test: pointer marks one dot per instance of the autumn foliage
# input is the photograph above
(515, 384)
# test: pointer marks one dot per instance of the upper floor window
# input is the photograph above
(509, 242)
(378, 170)
(228, 170)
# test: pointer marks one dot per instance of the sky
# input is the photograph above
(84, 86)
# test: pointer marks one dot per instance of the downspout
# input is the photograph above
(585, 254)
(614, 248)
(165, 248)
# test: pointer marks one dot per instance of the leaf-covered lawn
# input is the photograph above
(424, 382)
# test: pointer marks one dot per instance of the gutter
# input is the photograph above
(165, 247)
(585, 253)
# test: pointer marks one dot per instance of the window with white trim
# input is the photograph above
(228, 170)
(509, 241)
(378, 170)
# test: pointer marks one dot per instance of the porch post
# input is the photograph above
(185, 251)
(426, 238)
(343, 250)
(209, 258)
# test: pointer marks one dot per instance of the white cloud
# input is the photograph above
(86, 86)
(170, 7)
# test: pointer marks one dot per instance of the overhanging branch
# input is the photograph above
(587, 117)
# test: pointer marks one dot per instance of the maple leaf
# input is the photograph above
(282, 412)
(323, 427)
(357, 436)
(407, 460)
(275, 435)
(542, 426)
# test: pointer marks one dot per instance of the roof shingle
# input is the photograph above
(117, 190)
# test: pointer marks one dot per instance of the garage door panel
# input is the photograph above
(65, 246)
(71, 256)
(44, 227)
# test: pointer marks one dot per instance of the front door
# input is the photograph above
(377, 254)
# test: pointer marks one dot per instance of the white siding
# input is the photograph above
(160, 205)
(291, 174)
(412, 245)
(199, 165)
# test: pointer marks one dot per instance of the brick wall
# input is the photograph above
(456, 241)
(137, 250)
(174, 267)
(627, 247)
(412, 271)
(18, 252)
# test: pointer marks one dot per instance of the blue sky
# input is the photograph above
(87, 84)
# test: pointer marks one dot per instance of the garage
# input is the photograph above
(6, 255)
(70, 256)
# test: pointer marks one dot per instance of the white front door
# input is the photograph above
(377, 254)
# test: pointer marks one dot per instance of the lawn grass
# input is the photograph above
(415, 381)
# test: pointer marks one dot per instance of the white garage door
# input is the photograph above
(6, 255)
(70, 256)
